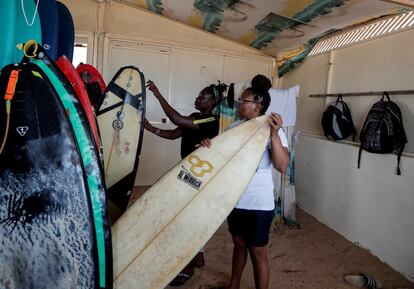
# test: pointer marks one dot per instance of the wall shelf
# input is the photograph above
(392, 92)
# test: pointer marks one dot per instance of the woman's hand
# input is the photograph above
(151, 86)
(280, 155)
(275, 122)
(206, 143)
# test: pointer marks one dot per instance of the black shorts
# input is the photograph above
(252, 225)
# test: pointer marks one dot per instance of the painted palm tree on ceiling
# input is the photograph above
(272, 26)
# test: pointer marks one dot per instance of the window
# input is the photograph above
(372, 30)
(80, 54)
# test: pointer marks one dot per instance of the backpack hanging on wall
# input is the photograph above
(383, 131)
(337, 121)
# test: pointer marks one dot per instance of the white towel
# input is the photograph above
(284, 103)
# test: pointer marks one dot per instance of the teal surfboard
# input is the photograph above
(7, 23)
(27, 25)
(15, 28)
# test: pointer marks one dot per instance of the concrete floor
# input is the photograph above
(312, 257)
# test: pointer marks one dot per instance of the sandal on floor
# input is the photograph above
(180, 279)
(363, 280)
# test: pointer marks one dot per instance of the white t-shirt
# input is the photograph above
(259, 193)
(284, 103)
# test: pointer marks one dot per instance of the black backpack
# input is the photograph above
(337, 121)
(383, 131)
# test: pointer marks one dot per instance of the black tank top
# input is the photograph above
(209, 128)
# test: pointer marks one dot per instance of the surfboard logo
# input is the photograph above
(21, 130)
(188, 178)
(117, 124)
(198, 167)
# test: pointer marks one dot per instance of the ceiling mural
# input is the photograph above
(284, 28)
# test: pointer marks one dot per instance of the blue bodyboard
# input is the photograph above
(66, 32)
(49, 20)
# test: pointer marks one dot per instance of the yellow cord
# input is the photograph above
(10, 90)
(8, 108)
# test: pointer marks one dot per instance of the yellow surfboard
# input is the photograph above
(120, 120)
(161, 232)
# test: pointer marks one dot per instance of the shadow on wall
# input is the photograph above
(408, 118)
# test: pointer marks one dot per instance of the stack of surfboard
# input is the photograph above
(53, 211)
(51, 133)
(54, 223)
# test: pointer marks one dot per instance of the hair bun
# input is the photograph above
(261, 83)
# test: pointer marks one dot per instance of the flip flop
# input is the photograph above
(363, 280)
(180, 279)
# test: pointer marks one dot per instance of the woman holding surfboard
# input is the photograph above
(249, 222)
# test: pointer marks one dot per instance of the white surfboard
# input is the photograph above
(120, 119)
(160, 233)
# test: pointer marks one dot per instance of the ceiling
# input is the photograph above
(273, 26)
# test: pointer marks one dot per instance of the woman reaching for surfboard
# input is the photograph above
(192, 129)
(249, 222)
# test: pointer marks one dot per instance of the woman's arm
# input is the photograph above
(168, 134)
(172, 114)
(279, 153)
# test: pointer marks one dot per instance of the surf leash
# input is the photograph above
(115, 139)
(10, 90)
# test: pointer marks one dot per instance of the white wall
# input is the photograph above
(370, 206)
(170, 53)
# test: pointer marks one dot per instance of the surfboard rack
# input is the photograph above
(392, 92)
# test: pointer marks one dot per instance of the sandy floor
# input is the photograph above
(312, 257)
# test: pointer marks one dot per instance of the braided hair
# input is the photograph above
(216, 91)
